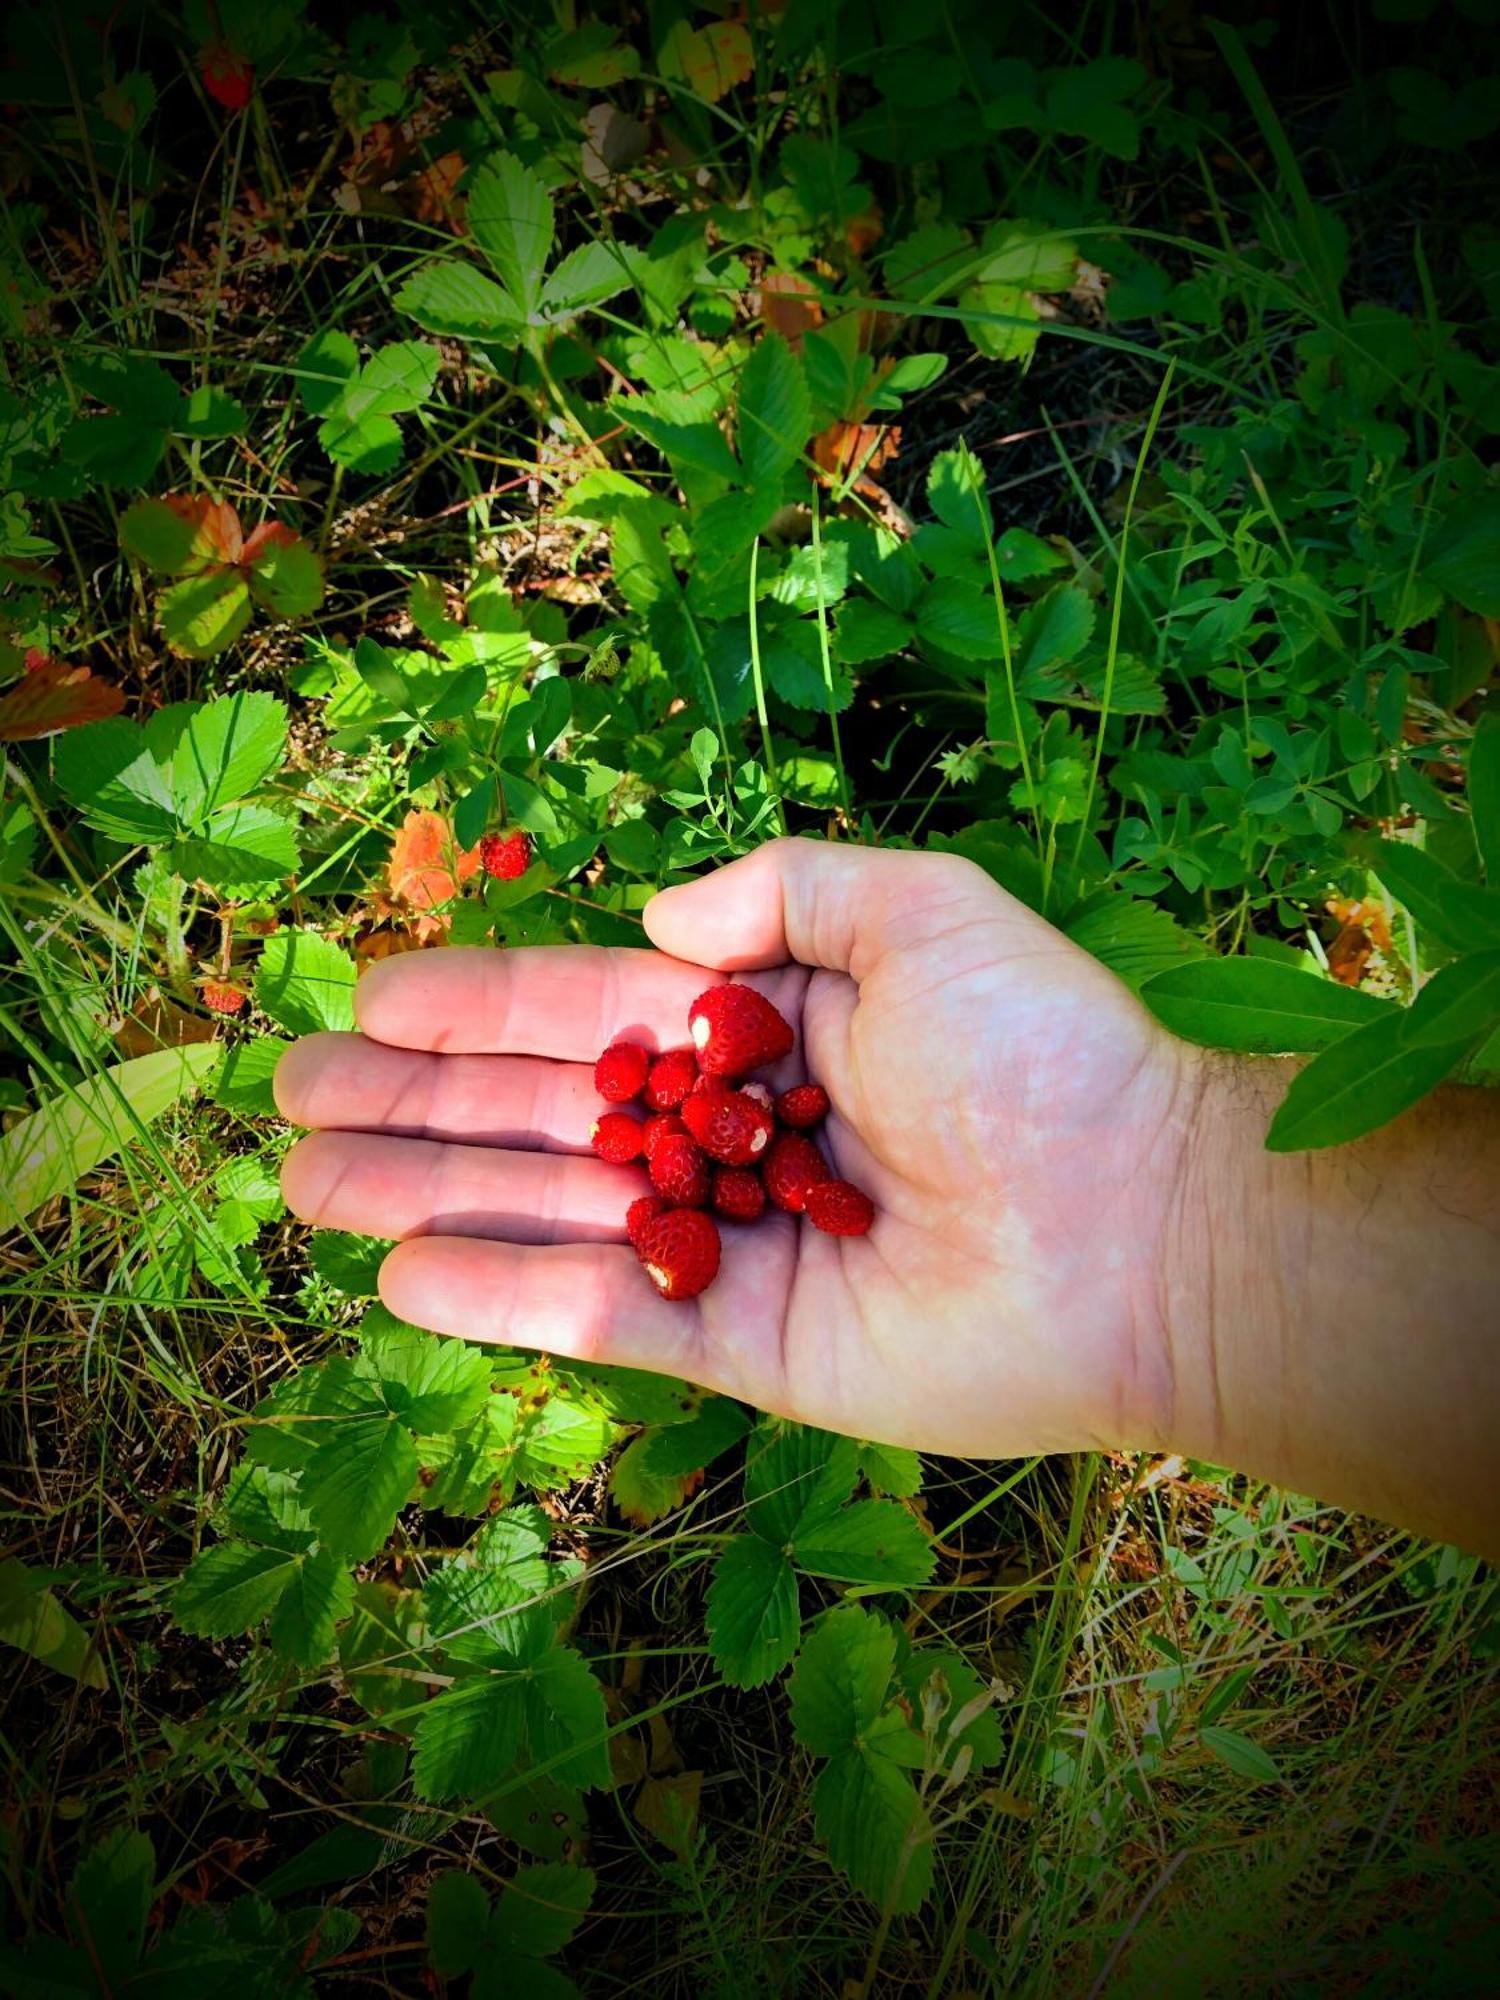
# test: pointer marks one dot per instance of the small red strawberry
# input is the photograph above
(620, 1073)
(839, 1208)
(662, 1126)
(738, 1194)
(640, 1215)
(730, 1126)
(670, 1078)
(792, 1165)
(617, 1137)
(679, 1170)
(803, 1106)
(506, 856)
(736, 1029)
(227, 77)
(680, 1251)
(220, 997)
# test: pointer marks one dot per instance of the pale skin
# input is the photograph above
(1080, 1241)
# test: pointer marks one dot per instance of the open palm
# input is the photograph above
(1009, 1108)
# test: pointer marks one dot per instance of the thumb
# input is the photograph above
(823, 904)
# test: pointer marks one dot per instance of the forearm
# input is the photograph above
(1333, 1318)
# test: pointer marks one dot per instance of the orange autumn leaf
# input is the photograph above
(425, 868)
(845, 449)
(790, 306)
(51, 696)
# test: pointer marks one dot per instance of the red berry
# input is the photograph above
(670, 1078)
(616, 1137)
(227, 77)
(662, 1126)
(680, 1251)
(506, 856)
(679, 1170)
(620, 1073)
(738, 1194)
(730, 1127)
(792, 1166)
(736, 1029)
(220, 997)
(641, 1213)
(760, 1093)
(803, 1106)
(839, 1208)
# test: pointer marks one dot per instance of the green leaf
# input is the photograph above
(1484, 795)
(686, 1447)
(48, 1153)
(795, 1477)
(1463, 556)
(1258, 1005)
(202, 615)
(243, 1081)
(1452, 911)
(872, 1541)
(587, 276)
(753, 1617)
(357, 1481)
(228, 747)
(456, 299)
(510, 218)
(433, 1383)
(566, 1726)
(33, 1621)
(209, 413)
(1245, 1758)
(158, 536)
(369, 443)
(286, 577)
(956, 494)
(109, 1900)
(1459, 1004)
(241, 850)
(925, 1676)
(540, 1908)
(305, 983)
(1135, 939)
(875, 1828)
(1052, 632)
(349, 1263)
(319, 1595)
(842, 1678)
(891, 1468)
(774, 412)
(324, 368)
(468, 1738)
(107, 770)
(868, 631)
(230, 1588)
(961, 619)
(458, 1911)
(1360, 1083)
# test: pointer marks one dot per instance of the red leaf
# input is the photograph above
(50, 697)
(424, 868)
(215, 525)
(269, 535)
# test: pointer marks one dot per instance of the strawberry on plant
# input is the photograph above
(738, 1194)
(736, 1029)
(227, 76)
(506, 856)
(839, 1208)
(220, 997)
(680, 1252)
(670, 1079)
(792, 1166)
(620, 1073)
(803, 1106)
(679, 1170)
(730, 1127)
(641, 1213)
(616, 1137)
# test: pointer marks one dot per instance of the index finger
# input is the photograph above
(564, 1001)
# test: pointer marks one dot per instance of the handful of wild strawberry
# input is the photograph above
(712, 1141)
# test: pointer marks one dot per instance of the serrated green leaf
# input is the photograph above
(796, 1476)
(1463, 554)
(871, 1541)
(1258, 1006)
(228, 748)
(1053, 632)
(305, 983)
(286, 577)
(566, 1726)
(455, 299)
(468, 1738)
(349, 1263)
(318, 1596)
(685, 1447)
(641, 1493)
(325, 366)
(774, 412)
(107, 771)
(842, 1678)
(158, 536)
(540, 1908)
(960, 618)
(753, 1617)
(109, 1900)
(202, 615)
(458, 1910)
(356, 1481)
(891, 1468)
(1135, 939)
(510, 218)
(262, 1505)
(869, 631)
(370, 443)
(587, 276)
(230, 1588)
(1357, 1085)
(207, 412)
(431, 1382)
(241, 850)
(875, 1828)
(243, 1081)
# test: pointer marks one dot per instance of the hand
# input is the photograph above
(1014, 1114)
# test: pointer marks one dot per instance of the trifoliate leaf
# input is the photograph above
(753, 1617)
